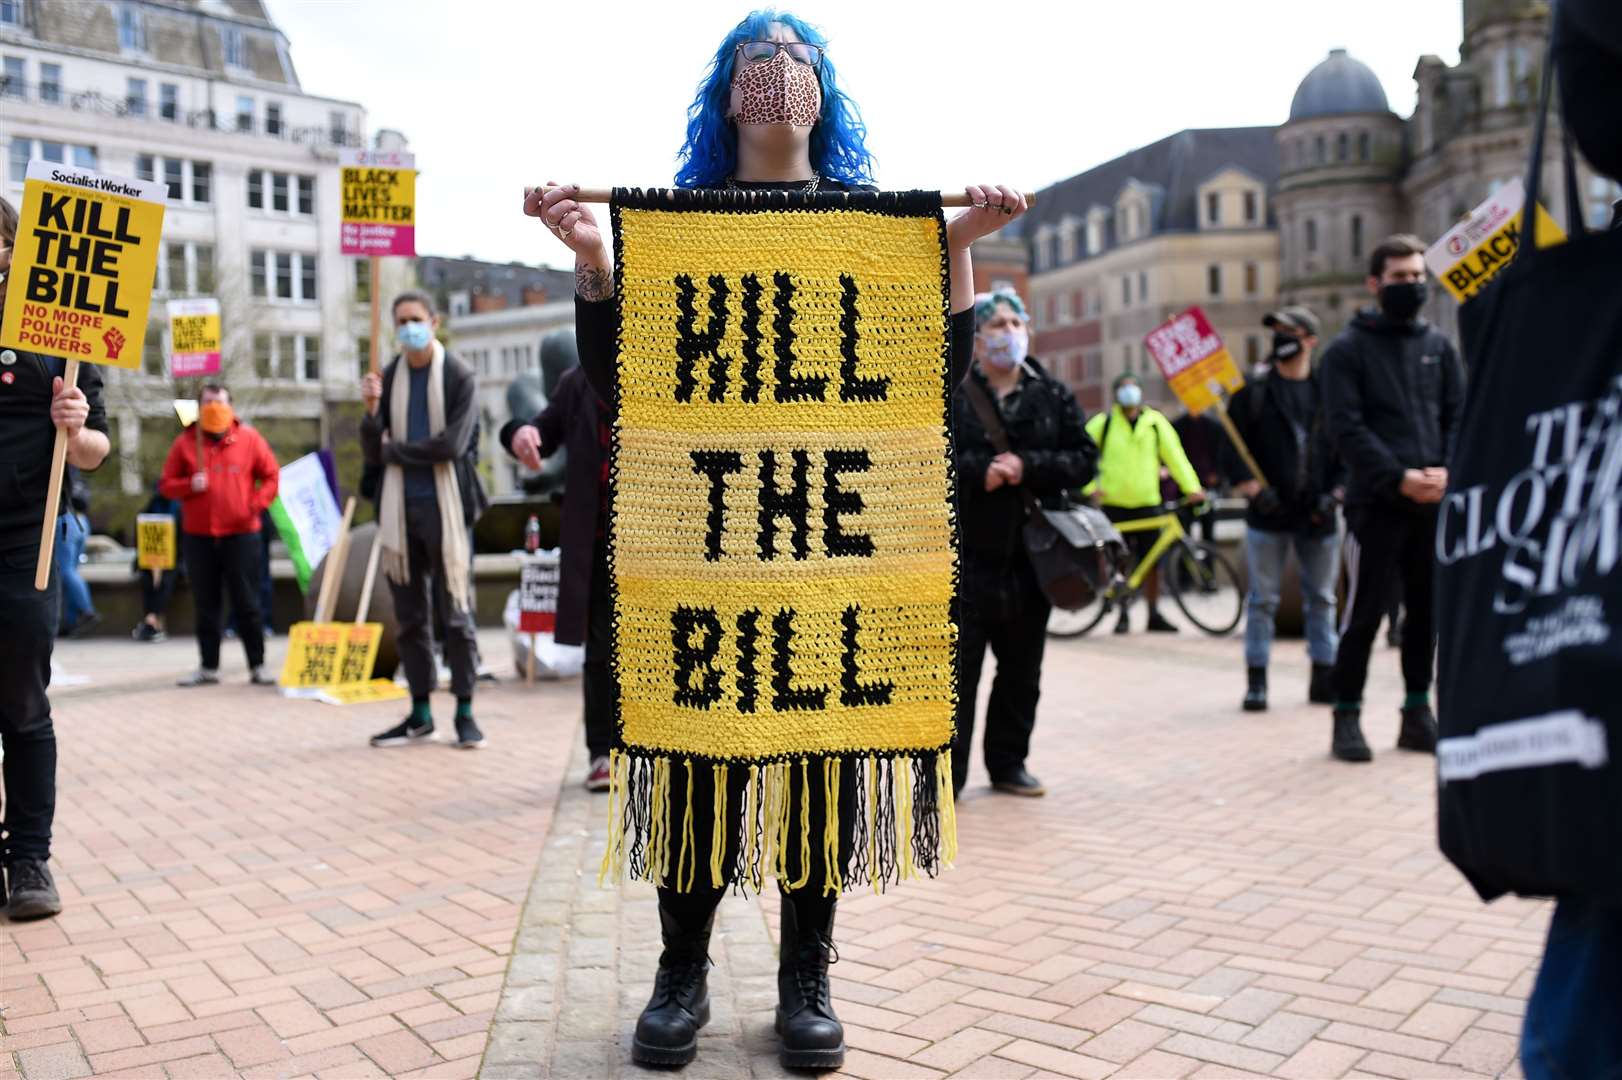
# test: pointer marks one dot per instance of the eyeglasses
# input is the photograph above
(764, 52)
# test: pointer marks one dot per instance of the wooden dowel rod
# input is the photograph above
(948, 198)
(53, 490)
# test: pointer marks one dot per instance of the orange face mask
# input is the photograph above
(216, 417)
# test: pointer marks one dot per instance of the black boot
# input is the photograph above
(811, 1034)
(1319, 692)
(667, 1030)
(1418, 730)
(1348, 743)
(1256, 695)
(33, 893)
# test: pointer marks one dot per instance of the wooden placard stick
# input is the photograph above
(337, 558)
(365, 607)
(373, 274)
(948, 198)
(53, 491)
(1221, 410)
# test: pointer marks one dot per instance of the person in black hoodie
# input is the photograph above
(1393, 394)
(1281, 420)
(34, 403)
(1003, 606)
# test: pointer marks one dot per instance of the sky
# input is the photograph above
(497, 94)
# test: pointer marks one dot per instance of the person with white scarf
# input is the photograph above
(419, 413)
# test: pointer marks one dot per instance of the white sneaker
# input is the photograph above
(260, 676)
(598, 778)
(201, 677)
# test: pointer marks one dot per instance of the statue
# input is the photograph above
(528, 394)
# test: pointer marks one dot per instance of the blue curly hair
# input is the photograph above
(710, 154)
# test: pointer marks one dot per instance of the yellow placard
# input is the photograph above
(1197, 366)
(783, 544)
(364, 693)
(83, 265)
(195, 333)
(1472, 253)
(155, 541)
(322, 655)
(379, 203)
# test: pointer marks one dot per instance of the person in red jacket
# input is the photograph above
(221, 499)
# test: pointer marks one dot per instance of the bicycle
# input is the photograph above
(1201, 580)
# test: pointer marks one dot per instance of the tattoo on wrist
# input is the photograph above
(593, 283)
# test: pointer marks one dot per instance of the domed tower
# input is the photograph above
(1341, 156)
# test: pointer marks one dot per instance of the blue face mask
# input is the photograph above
(1130, 396)
(414, 336)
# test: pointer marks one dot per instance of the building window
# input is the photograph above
(1252, 208)
(310, 361)
(1095, 236)
(186, 268)
(174, 177)
(1213, 209)
(363, 280)
(169, 101)
(1253, 349)
(145, 166)
(1213, 280)
(131, 30)
(340, 128)
(264, 357)
(1126, 292)
(306, 195)
(19, 160)
(1357, 236)
(15, 83)
(1253, 275)
(1343, 147)
(1362, 146)
(53, 152)
(50, 83)
(84, 156)
(256, 189)
(135, 97)
(1320, 150)
(278, 192)
(203, 279)
(11, 12)
(273, 118)
(1310, 228)
(282, 275)
(231, 41)
(244, 112)
(363, 352)
(173, 278)
(202, 182)
(1143, 286)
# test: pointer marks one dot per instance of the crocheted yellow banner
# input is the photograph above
(784, 554)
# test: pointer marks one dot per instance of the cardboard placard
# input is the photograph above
(1471, 254)
(363, 693)
(538, 580)
(1197, 366)
(82, 268)
(379, 204)
(194, 337)
(155, 541)
(325, 655)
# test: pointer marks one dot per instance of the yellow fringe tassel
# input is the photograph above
(784, 791)
(659, 823)
(872, 824)
(613, 855)
(805, 825)
(687, 860)
(901, 769)
(718, 834)
(831, 883)
(948, 810)
(751, 808)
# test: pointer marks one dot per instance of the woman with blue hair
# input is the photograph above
(769, 116)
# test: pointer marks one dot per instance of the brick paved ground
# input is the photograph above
(253, 891)
(1203, 893)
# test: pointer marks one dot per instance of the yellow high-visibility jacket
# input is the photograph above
(1130, 456)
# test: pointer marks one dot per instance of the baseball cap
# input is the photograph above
(1296, 316)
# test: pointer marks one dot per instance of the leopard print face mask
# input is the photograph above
(780, 91)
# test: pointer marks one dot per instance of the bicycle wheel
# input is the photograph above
(1203, 583)
(1069, 624)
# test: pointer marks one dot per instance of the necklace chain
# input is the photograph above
(809, 188)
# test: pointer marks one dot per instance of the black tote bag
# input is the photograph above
(1529, 551)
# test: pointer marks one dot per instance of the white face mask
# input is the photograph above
(1130, 396)
(1005, 349)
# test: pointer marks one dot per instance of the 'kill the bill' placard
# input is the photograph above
(379, 203)
(194, 337)
(82, 267)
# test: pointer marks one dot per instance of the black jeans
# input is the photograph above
(414, 604)
(1388, 544)
(227, 565)
(155, 595)
(597, 678)
(27, 634)
(1004, 608)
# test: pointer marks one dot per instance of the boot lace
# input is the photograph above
(677, 979)
(811, 973)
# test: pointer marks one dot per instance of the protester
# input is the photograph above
(79, 616)
(156, 589)
(222, 495)
(576, 422)
(1570, 1027)
(1280, 419)
(1203, 442)
(770, 145)
(1393, 389)
(1003, 606)
(429, 497)
(1134, 441)
(34, 405)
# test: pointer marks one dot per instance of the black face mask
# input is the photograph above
(1402, 300)
(1286, 347)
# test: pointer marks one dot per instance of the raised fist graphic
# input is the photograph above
(114, 342)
